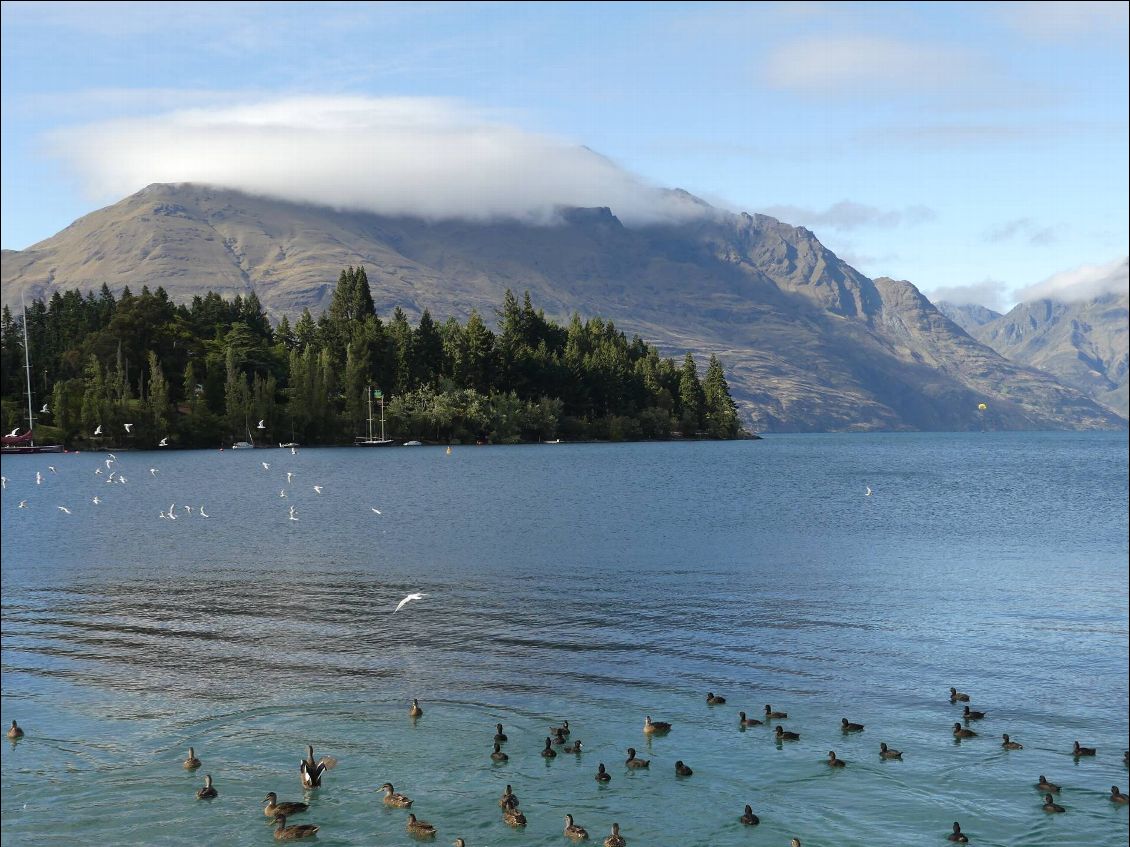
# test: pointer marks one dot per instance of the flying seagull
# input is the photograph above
(52, 469)
(317, 489)
(266, 467)
(282, 492)
(23, 504)
(64, 510)
(408, 599)
(202, 513)
(289, 477)
(164, 442)
(154, 471)
(44, 410)
(127, 426)
(95, 501)
(38, 478)
(108, 463)
(98, 429)
(375, 510)
(868, 494)
(293, 517)
(262, 424)
(12, 434)
(3, 482)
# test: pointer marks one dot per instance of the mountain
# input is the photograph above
(968, 316)
(1084, 345)
(809, 343)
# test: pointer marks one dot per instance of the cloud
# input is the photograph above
(847, 215)
(1051, 20)
(425, 157)
(1085, 282)
(989, 293)
(1026, 228)
(865, 65)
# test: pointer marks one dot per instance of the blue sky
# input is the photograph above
(974, 149)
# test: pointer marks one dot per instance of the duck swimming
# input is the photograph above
(191, 763)
(970, 715)
(208, 792)
(559, 737)
(833, 762)
(391, 798)
(499, 735)
(421, 829)
(1117, 796)
(310, 772)
(769, 713)
(1044, 785)
(749, 818)
(14, 732)
(682, 770)
(512, 817)
(887, 753)
(743, 721)
(714, 700)
(602, 775)
(633, 762)
(274, 807)
(615, 839)
(781, 735)
(1083, 751)
(1009, 744)
(575, 747)
(1051, 806)
(415, 711)
(508, 799)
(293, 833)
(957, 697)
(577, 833)
(961, 732)
(548, 752)
(563, 729)
(498, 755)
(957, 835)
(651, 727)
(848, 726)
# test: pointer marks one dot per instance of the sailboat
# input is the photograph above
(15, 443)
(371, 441)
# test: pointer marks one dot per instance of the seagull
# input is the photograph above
(64, 510)
(154, 471)
(188, 509)
(98, 470)
(52, 469)
(23, 504)
(12, 434)
(121, 479)
(262, 424)
(293, 451)
(171, 516)
(127, 426)
(108, 463)
(110, 478)
(98, 429)
(112, 457)
(44, 410)
(868, 494)
(292, 515)
(282, 492)
(266, 467)
(317, 489)
(162, 515)
(289, 476)
(202, 514)
(164, 442)
(375, 510)
(3, 482)
(38, 478)
(95, 501)
(408, 599)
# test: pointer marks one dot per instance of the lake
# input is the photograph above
(593, 583)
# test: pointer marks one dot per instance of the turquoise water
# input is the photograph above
(598, 584)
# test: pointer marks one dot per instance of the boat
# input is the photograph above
(242, 445)
(289, 444)
(361, 441)
(14, 443)
(413, 444)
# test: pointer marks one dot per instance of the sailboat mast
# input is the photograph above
(27, 368)
(369, 394)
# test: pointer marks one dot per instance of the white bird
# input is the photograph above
(98, 429)
(95, 501)
(262, 424)
(289, 477)
(408, 599)
(38, 478)
(64, 510)
(108, 463)
(110, 478)
(164, 442)
(44, 410)
(3, 482)
(127, 426)
(23, 504)
(162, 515)
(121, 479)
(292, 515)
(154, 471)
(171, 516)
(188, 509)
(12, 434)
(112, 457)
(376, 511)
(202, 513)
(317, 489)
(282, 492)
(868, 494)
(98, 470)
(293, 451)
(266, 467)
(52, 469)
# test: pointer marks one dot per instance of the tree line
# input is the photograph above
(203, 374)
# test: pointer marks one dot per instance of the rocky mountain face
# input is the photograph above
(809, 343)
(968, 316)
(1084, 345)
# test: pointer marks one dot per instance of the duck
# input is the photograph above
(498, 755)
(310, 771)
(563, 729)
(1044, 785)
(274, 807)
(743, 721)
(615, 839)
(957, 697)
(14, 731)
(559, 737)
(421, 829)
(1083, 751)
(1051, 806)
(794, 842)
(682, 770)
(748, 817)
(961, 732)
(769, 713)
(391, 798)
(602, 775)
(651, 727)
(575, 747)
(458, 842)
(833, 762)
(508, 799)
(713, 699)
(957, 835)
(971, 715)
(208, 792)
(633, 762)
(295, 832)
(1117, 796)
(191, 763)
(886, 753)
(786, 736)
(415, 711)
(512, 817)
(848, 726)
(1009, 744)
(548, 752)
(499, 735)
(577, 833)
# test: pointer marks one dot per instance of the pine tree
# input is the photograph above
(720, 410)
(690, 397)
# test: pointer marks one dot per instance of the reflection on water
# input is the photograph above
(597, 584)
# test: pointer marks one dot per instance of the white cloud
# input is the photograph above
(848, 215)
(1062, 20)
(1025, 228)
(431, 158)
(865, 65)
(989, 293)
(1085, 282)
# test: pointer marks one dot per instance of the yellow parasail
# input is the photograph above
(981, 407)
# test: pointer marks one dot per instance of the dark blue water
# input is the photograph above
(598, 584)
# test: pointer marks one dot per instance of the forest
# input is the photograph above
(205, 373)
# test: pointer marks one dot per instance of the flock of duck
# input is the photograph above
(312, 770)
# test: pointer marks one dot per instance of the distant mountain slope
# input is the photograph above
(1084, 345)
(968, 316)
(810, 344)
